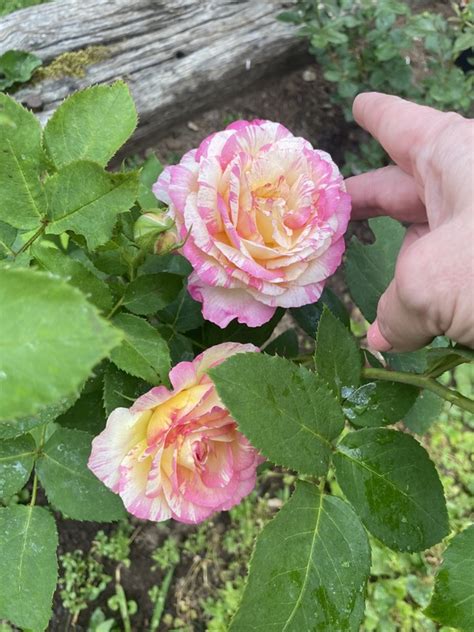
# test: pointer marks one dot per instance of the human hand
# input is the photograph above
(431, 186)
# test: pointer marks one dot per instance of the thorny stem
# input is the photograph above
(421, 381)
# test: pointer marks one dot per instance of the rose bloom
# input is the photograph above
(178, 454)
(263, 215)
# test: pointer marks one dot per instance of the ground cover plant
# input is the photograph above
(95, 313)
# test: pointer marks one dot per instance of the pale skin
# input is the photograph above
(430, 186)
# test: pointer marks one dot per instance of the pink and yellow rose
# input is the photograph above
(263, 215)
(177, 453)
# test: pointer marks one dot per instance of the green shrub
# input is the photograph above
(365, 45)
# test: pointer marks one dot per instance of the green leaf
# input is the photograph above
(86, 199)
(183, 314)
(70, 486)
(393, 486)
(288, 413)
(143, 352)
(51, 338)
(115, 256)
(149, 173)
(181, 348)
(96, 290)
(308, 316)
(17, 66)
(172, 262)
(309, 568)
(8, 235)
(440, 360)
(370, 268)
(285, 345)
(91, 125)
(16, 462)
(18, 427)
(22, 200)
(424, 412)
(28, 572)
(121, 390)
(235, 332)
(452, 603)
(151, 292)
(87, 414)
(411, 362)
(379, 403)
(464, 41)
(338, 358)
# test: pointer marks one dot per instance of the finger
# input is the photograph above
(387, 191)
(397, 327)
(401, 127)
(414, 233)
(404, 314)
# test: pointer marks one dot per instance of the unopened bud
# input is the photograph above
(167, 242)
(149, 226)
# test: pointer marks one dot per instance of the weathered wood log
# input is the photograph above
(177, 56)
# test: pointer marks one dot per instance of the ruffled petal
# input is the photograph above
(221, 305)
(124, 430)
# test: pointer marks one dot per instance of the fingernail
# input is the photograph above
(376, 340)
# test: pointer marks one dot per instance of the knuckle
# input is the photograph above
(415, 291)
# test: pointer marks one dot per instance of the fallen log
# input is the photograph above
(178, 56)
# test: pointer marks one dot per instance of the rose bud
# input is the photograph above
(167, 242)
(148, 226)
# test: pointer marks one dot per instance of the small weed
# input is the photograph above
(115, 547)
(221, 608)
(83, 580)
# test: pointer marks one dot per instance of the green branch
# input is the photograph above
(32, 239)
(421, 381)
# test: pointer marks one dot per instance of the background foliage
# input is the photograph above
(388, 47)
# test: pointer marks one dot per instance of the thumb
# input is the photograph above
(404, 313)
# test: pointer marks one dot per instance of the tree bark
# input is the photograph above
(178, 56)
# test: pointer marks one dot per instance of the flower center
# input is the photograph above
(200, 452)
(270, 202)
